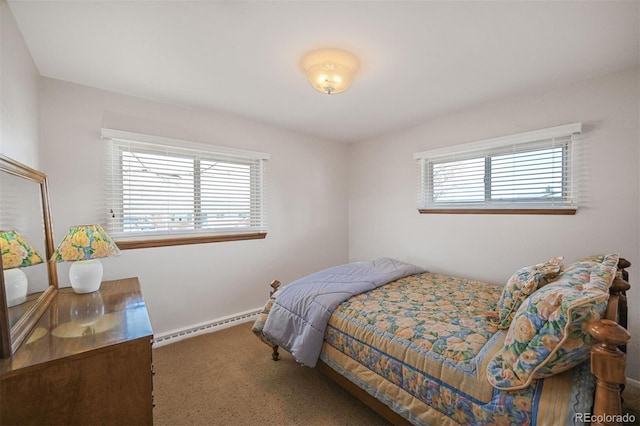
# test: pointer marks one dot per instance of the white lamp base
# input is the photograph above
(85, 276)
(15, 286)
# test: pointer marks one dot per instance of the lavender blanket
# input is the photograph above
(301, 310)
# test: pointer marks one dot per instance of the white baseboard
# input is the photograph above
(634, 383)
(205, 327)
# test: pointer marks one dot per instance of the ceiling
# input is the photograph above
(419, 59)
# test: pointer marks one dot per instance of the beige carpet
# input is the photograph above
(228, 378)
(631, 404)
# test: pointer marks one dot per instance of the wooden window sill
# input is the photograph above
(181, 241)
(500, 211)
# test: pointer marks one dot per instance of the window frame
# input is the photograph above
(560, 136)
(116, 142)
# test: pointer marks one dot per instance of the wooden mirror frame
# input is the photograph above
(12, 336)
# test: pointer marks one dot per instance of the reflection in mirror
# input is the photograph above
(87, 317)
(28, 281)
(17, 254)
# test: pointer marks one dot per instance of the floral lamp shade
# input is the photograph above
(84, 245)
(85, 242)
(16, 253)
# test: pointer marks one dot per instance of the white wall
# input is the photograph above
(187, 285)
(19, 79)
(307, 195)
(383, 220)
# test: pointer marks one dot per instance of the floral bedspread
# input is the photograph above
(421, 344)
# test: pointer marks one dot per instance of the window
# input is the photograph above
(530, 172)
(167, 192)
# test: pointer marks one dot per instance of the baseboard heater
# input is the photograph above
(206, 327)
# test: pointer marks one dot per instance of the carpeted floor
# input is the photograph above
(631, 404)
(228, 378)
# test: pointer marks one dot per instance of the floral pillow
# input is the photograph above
(547, 336)
(581, 268)
(520, 286)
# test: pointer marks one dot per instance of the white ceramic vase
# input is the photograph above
(85, 276)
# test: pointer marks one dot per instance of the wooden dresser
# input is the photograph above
(87, 361)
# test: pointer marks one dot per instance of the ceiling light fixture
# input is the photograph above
(330, 71)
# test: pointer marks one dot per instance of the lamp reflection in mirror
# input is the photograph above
(84, 245)
(16, 254)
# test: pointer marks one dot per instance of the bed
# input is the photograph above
(430, 349)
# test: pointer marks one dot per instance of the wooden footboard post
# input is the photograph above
(608, 365)
(275, 285)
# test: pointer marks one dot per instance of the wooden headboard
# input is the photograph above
(608, 357)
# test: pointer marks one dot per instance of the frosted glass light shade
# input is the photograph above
(15, 286)
(330, 71)
(85, 276)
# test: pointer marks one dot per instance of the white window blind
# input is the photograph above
(158, 187)
(528, 171)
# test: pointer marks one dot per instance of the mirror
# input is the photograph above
(24, 208)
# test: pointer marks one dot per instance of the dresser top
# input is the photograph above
(76, 324)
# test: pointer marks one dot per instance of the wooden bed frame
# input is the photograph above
(608, 358)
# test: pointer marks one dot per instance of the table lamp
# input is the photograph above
(84, 245)
(16, 254)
